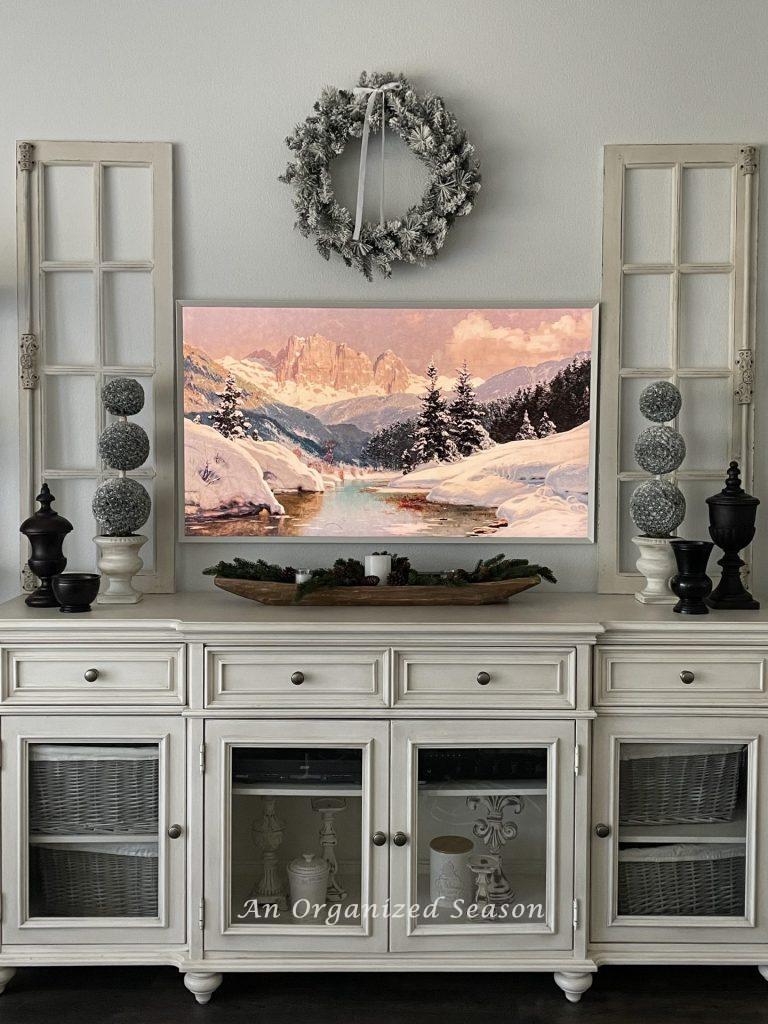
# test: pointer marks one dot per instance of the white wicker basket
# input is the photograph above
(682, 879)
(679, 784)
(74, 790)
(98, 880)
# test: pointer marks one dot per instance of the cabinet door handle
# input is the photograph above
(602, 831)
(399, 838)
(483, 678)
(175, 831)
(91, 675)
(379, 838)
(297, 678)
(687, 677)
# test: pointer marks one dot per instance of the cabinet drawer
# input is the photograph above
(680, 675)
(128, 674)
(486, 677)
(296, 677)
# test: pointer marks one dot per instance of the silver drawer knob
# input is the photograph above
(174, 831)
(297, 678)
(483, 678)
(91, 675)
(379, 838)
(602, 831)
(399, 838)
(687, 677)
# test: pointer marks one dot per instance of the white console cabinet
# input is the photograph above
(163, 764)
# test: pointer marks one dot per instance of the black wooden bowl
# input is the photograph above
(76, 591)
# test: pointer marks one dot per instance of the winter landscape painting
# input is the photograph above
(386, 422)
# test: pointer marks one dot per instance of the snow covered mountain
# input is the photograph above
(502, 385)
(371, 412)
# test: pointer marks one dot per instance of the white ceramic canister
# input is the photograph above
(308, 880)
(449, 876)
(379, 565)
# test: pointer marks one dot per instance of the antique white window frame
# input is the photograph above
(743, 159)
(32, 158)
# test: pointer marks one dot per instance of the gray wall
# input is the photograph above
(540, 85)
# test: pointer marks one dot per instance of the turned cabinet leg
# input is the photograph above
(202, 985)
(573, 983)
(763, 968)
(6, 973)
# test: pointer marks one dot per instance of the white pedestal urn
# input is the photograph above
(657, 564)
(118, 562)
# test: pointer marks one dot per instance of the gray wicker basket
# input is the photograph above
(75, 790)
(678, 784)
(680, 880)
(108, 880)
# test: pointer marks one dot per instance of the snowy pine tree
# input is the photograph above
(433, 430)
(526, 431)
(546, 426)
(469, 434)
(228, 419)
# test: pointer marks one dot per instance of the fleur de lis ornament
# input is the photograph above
(495, 833)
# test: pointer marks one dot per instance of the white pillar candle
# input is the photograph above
(378, 565)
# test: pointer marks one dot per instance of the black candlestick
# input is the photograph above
(732, 515)
(46, 531)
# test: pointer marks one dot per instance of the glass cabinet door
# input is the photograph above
(299, 812)
(674, 809)
(99, 805)
(482, 835)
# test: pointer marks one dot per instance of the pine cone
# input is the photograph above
(371, 581)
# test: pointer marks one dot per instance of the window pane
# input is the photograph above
(73, 501)
(706, 215)
(127, 213)
(705, 318)
(628, 553)
(481, 853)
(695, 526)
(68, 211)
(645, 340)
(70, 318)
(682, 829)
(705, 422)
(93, 827)
(128, 318)
(296, 835)
(70, 422)
(648, 215)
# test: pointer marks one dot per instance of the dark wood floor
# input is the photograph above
(620, 995)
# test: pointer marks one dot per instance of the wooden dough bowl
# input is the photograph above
(472, 593)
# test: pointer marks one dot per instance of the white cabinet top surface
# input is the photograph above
(203, 614)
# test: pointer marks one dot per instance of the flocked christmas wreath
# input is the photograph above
(430, 131)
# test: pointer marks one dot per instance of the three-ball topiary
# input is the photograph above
(121, 505)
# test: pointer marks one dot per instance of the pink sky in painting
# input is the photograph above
(491, 340)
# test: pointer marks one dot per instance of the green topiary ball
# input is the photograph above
(124, 445)
(121, 506)
(123, 396)
(657, 508)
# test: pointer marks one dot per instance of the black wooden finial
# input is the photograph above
(733, 481)
(45, 498)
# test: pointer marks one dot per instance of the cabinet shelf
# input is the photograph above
(296, 789)
(716, 832)
(484, 787)
(37, 839)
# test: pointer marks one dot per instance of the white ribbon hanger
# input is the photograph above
(371, 94)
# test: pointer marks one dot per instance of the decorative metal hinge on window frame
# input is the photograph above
(201, 915)
(575, 915)
(25, 156)
(748, 159)
(745, 375)
(28, 349)
(576, 759)
(202, 758)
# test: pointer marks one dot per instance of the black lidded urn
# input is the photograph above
(45, 531)
(732, 515)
